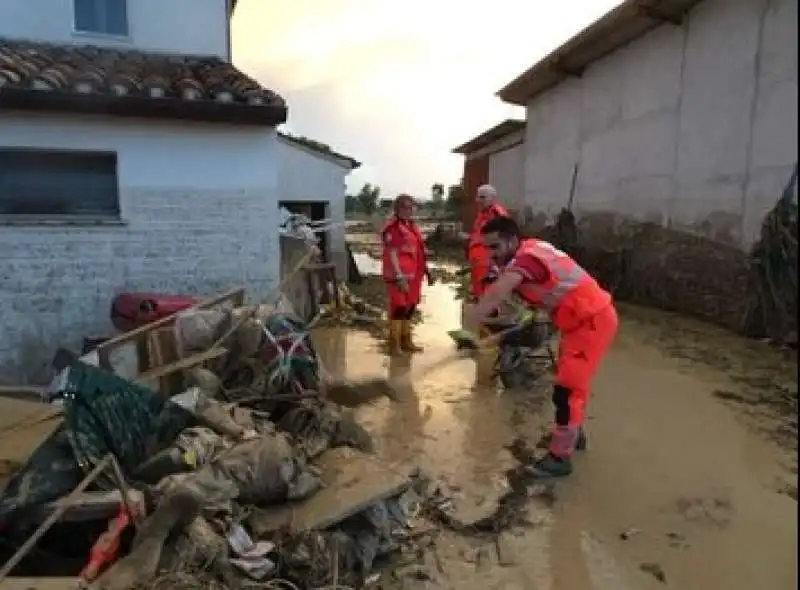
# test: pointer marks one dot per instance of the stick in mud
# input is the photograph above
(54, 516)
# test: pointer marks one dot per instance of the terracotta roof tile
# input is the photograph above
(322, 148)
(84, 70)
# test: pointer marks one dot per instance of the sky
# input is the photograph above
(398, 85)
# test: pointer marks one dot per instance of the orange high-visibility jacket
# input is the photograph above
(570, 295)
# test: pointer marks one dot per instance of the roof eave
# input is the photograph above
(490, 136)
(23, 99)
(622, 25)
(345, 162)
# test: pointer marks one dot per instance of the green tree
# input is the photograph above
(351, 204)
(456, 197)
(368, 198)
(437, 197)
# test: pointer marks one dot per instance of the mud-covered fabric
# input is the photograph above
(50, 473)
(287, 350)
(102, 413)
(105, 413)
(261, 471)
(317, 425)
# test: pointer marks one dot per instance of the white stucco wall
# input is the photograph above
(306, 175)
(195, 27)
(199, 215)
(694, 125)
(507, 175)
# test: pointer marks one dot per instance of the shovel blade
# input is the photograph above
(464, 339)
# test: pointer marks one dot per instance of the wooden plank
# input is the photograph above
(162, 350)
(353, 480)
(24, 392)
(87, 506)
(23, 426)
(182, 364)
(41, 584)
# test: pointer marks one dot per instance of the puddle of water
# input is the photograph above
(444, 421)
(369, 265)
(652, 415)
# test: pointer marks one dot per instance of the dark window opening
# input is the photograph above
(315, 211)
(106, 17)
(55, 183)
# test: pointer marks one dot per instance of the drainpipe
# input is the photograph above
(229, 7)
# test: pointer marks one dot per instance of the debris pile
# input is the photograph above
(772, 281)
(676, 270)
(235, 468)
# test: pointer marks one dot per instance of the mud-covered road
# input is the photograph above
(679, 489)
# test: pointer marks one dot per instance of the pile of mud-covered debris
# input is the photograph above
(221, 463)
(753, 293)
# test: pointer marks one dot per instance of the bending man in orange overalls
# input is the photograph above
(583, 312)
(478, 256)
(404, 267)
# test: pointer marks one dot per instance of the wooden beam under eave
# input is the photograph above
(660, 15)
(560, 67)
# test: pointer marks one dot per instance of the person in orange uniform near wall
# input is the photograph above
(404, 266)
(478, 256)
(579, 308)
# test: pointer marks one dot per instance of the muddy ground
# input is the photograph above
(689, 481)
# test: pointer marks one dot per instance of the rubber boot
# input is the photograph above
(557, 462)
(551, 466)
(395, 337)
(406, 341)
(580, 445)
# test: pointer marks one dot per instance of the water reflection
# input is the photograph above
(403, 428)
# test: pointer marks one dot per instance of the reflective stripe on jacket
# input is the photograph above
(570, 295)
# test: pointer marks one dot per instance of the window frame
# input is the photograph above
(100, 7)
(102, 158)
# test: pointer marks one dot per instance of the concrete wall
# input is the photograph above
(195, 27)
(199, 211)
(507, 175)
(692, 126)
(307, 175)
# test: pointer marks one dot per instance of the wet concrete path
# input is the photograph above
(669, 467)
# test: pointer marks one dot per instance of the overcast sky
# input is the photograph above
(395, 84)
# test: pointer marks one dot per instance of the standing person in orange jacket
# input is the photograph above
(542, 276)
(478, 256)
(404, 266)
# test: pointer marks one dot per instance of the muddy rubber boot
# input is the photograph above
(550, 466)
(581, 444)
(395, 337)
(406, 341)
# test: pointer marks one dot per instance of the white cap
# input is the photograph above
(486, 190)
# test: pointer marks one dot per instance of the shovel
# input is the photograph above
(352, 393)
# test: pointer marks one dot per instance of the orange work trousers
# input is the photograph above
(579, 354)
(479, 270)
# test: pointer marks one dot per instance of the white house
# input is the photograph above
(311, 180)
(133, 157)
(496, 157)
(682, 112)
